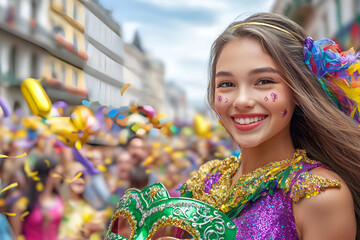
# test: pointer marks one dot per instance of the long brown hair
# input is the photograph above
(317, 125)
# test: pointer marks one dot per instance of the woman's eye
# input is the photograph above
(225, 85)
(264, 81)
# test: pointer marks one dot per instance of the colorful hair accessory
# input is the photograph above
(274, 96)
(337, 72)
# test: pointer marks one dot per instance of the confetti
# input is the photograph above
(5, 156)
(123, 89)
(39, 186)
(55, 175)
(120, 116)
(9, 187)
(102, 168)
(274, 96)
(113, 113)
(10, 214)
(22, 217)
(78, 144)
(283, 114)
(86, 103)
(47, 163)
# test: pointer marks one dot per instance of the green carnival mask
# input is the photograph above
(151, 209)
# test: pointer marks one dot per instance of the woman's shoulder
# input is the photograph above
(329, 215)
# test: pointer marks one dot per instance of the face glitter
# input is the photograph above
(283, 114)
(274, 96)
(219, 98)
(226, 100)
(266, 98)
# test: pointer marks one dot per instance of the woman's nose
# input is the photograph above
(244, 99)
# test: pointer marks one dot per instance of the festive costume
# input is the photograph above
(260, 202)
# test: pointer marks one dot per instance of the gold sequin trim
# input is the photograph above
(172, 221)
(224, 196)
(126, 214)
(310, 185)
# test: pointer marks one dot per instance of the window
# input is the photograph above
(53, 72)
(63, 3)
(34, 66)
(33, 9)
(75, 79)
(75, 12)
(58, 30)
(63, 76)
(12, 61)
(75, 43)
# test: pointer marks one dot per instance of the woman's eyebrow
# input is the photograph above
(223, 74)
(263, 70)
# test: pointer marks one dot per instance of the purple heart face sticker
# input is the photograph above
(283, 114)
(274, 96)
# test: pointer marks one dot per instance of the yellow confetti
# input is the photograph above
(108, 161)
(9, 187)
(21, 237)
(123, 89)
(102, 168)
(24, 215)
(28, 172)
(168, 149)
(78, 144)
(47, 163)
(39, 186)
(10, 214)
(55, 175)
(6, 156)
(148, 171)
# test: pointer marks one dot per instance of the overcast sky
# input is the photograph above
(180, 33)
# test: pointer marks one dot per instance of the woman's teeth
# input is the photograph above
(248, 120)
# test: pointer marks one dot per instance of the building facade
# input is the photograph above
(335, 19)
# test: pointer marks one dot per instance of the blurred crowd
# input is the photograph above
(69, 193)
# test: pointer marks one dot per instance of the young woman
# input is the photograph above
(278, 94)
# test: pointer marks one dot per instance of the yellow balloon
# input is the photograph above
(83, 119)
(36, 98)
(202, 126)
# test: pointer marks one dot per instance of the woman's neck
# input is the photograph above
(276, 149)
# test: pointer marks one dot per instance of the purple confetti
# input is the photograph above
(274, 96)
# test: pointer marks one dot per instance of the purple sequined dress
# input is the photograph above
(270, 216)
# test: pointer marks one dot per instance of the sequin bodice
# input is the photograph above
(260, 203)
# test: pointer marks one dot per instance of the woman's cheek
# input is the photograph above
(221, 104)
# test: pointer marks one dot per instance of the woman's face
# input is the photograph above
(253, 102)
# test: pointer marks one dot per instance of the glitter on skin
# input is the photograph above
(283, 114)
(226, 100)
(266, 98)
(219, 98)
(274, 96)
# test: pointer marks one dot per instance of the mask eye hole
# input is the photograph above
(121, 227)
(172, 231)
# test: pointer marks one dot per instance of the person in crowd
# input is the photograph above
(80, 220)
(123, 167)
(290, 103)
(97, 192)
(45, 205)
